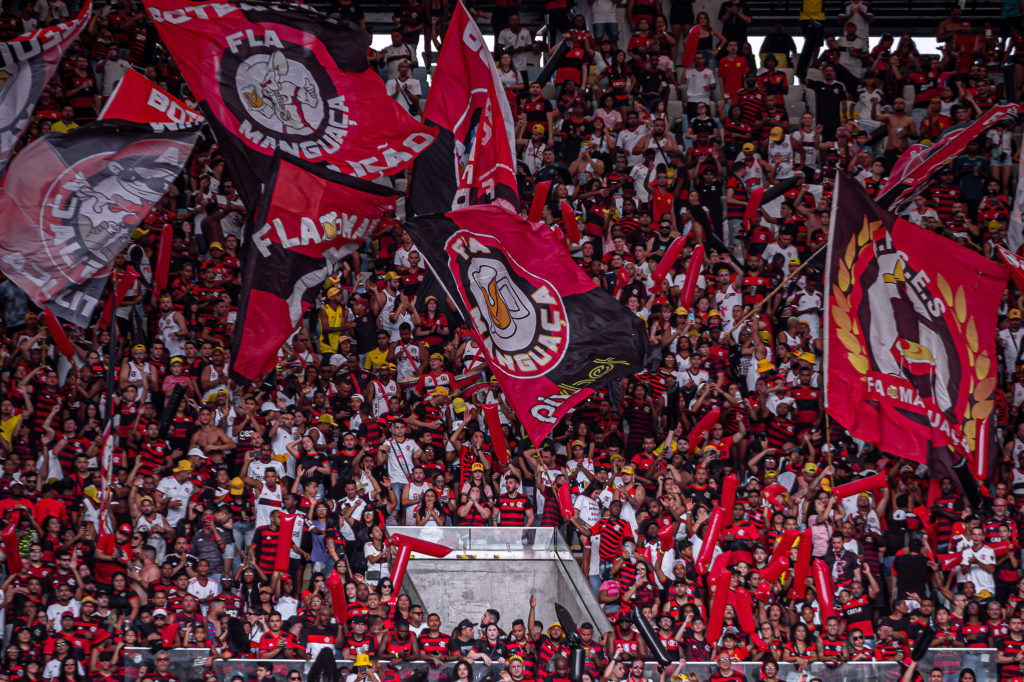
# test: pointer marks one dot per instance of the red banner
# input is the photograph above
(136, 98)
(307, 224)
(285, 79)
(467, 99)
(541, 322)
(1014, 265)
(911, 325)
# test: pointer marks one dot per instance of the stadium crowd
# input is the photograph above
(373, 417)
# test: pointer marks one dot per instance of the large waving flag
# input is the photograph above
(918, 165)
(473, 160)
(549, 334)
(284, 78)
(26, 64)
(71, 201)
(307, 223)
(911, 324)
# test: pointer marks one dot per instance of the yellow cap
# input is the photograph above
(748, 147)
(183, 465)
(237, 486)
(765, 365)
(776, 134)
(1014, 314)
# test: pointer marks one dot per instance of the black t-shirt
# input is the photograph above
(911, 572)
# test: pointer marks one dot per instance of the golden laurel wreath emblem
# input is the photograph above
(981, 385)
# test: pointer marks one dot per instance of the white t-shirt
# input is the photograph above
(411, 91)
(174, 490)
(400, 462)
(696, 84)
(510, 39)
(982, 579)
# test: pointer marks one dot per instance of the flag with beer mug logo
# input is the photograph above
(911, 324)
(550, 335)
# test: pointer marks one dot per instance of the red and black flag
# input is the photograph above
(26, 64)
(284, 78)
(71, 201)
(918, 165)
(911, 323)
(307, 223)
(136, 98)
(473, 160)
(550, 335)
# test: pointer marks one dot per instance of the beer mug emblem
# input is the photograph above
(509, 314)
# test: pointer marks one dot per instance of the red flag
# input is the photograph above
(284, 82)
(163, 258)
(572, 228)
(690, 46)
(468, 100)
(284, 542)
(11, 551)
(28, 61)
(917, 166)
(1014, 265)
(541, 322)
(308, 222)
(540, 197)
(667, 261)
(136, 98)
(911, 327)
(60, 337)
(336, 588)
(498, 443)
(71, 202)
(693, 269)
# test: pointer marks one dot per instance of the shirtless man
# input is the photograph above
(900, 128)
(208, 437)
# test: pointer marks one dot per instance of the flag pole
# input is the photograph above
(774, 291)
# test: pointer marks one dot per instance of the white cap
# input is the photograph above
(196, 452)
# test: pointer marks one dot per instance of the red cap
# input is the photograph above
(126, 529)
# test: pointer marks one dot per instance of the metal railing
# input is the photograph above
(190, 664)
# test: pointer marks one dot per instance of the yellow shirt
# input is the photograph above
(329, 342)
(812, 10)
(374, 359)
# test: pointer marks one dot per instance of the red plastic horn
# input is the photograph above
(825, 589)
(60, 337)
(716, 524)
(406, 546)
(692, 275)
(729, 486)
(666, 263)
(690, 46)
(803, 565)
(540, 197)
(336, 588)
(163, 258)
(498, 443)
(861, 485)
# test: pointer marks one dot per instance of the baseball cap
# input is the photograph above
(811, 468)
(333, 291)
(628, 469)
(159, 612)
(459, 405)
(748, 147)
(237, 486)
(476, 466)
(183, 465)
(125, 528)
(776, 134)
(391, 275)
(216, 245)
(1014, 314)
(536, 128)
(196, 452)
